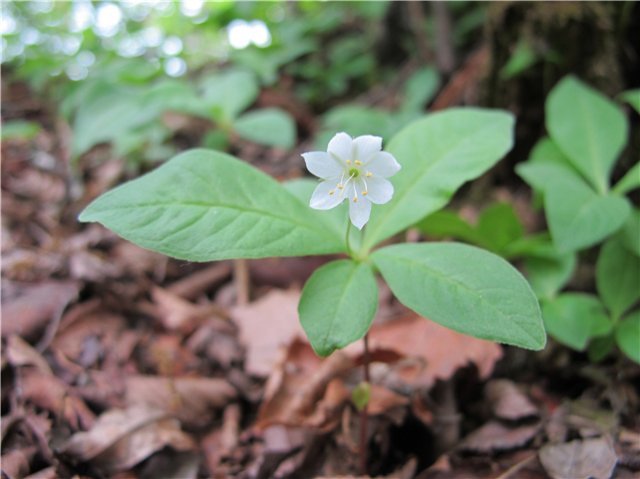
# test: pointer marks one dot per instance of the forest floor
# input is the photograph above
(119, 362)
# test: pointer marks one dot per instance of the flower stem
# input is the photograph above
(348, 238)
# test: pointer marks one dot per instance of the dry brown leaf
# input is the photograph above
(266, 326)
(29, 313)
(496, 437)
(20, 353)
(15, 463)
(296, 384)
(89, 337)
(438, 352)
(48, 392)
(121, 439)
(508, 402)
(47, 473)
(178, 314)
(382, 400)
(581, 459)
(109, 428)
(194, 401)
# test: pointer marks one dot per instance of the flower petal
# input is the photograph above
(365, 146)
(323, 199)
(322, 164)
(359, 212)
(380, 191)
(340, 147)
(383, 164)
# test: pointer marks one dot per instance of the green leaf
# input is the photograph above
(438, 153)
(230, 92)
(445, 224)
(617, 277)
(547, 276)
(577, 216)
(632, 97)
(588, 127)
(522, 58)
(600, 347)
(574, 318)
(337, 305)
(420, 88)
(19, 130)
(630, 232)
(628, 336)
(546, 151)
(629, 182)
(498, 226)
(269, 126)
(204, 205)
(465, 289)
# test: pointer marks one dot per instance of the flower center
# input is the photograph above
(354, 172)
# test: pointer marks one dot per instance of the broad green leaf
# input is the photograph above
(337, 305)
(438, 154)
(204, 205)
(577, 216)
(574, 318)
(632, 97)
(588, 127)
(617, 277)
(547, 276)
(448, 224)
(629, 182)
(498, 226)
(230, 92)
(464, 288)
(269, 126)
(630, 232)
(546, 151)
(628, 336)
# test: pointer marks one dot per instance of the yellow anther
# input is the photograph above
(364, 193)
(340, 187)
(348, 162)
(332, 192)
(369, 174)
(355, 200)
(358, 162)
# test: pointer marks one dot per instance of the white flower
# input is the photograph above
(354, 169)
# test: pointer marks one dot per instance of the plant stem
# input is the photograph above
(347, 238)
(364, 413)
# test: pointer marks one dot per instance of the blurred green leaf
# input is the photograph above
(269, 126)
(617, 277)
(628, 336)
(575, 318)
(522, 58)
(19, 130)
(231, 92)
(632, 97)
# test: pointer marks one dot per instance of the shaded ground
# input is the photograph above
(118, 362)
